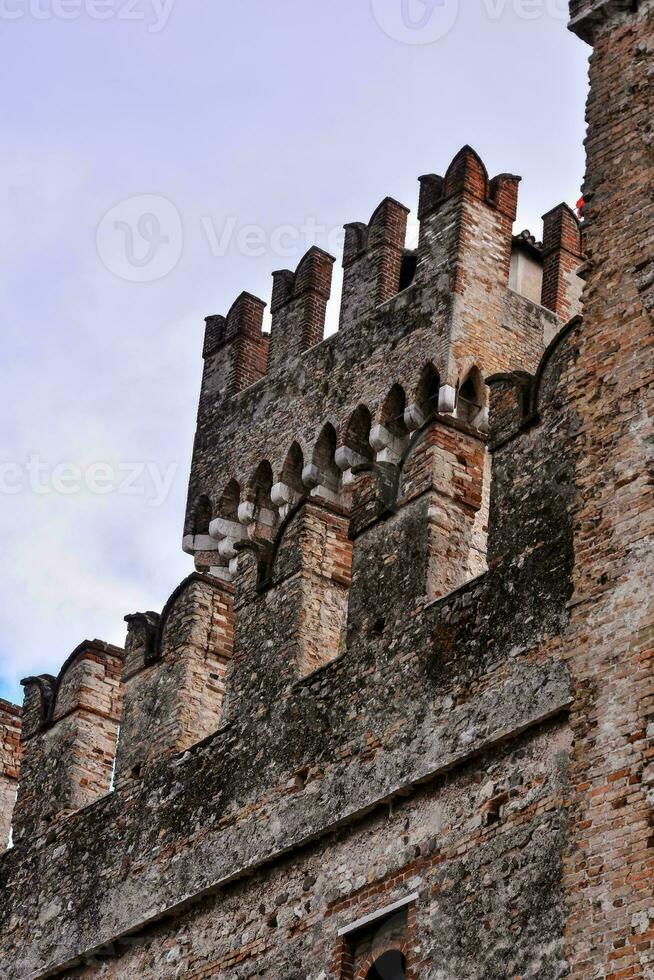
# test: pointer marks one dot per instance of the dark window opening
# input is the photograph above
(408, 269)
(203, 514)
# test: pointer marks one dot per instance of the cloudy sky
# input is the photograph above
(159, 157)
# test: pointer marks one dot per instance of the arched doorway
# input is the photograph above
(390, 966)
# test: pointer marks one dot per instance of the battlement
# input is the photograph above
(299, 306)
(246, 705)
(372, 260)
(174, 676)
(339, 493)
(401, 717)
(377, 267)
(419, 331)
(69, 736)
(300, 592)
(242, 330)
(586, 16)
(312, 459)
(467, 174)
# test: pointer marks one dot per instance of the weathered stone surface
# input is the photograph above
(403, 714)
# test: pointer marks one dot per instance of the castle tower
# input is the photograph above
(300, 423)
(400, 720)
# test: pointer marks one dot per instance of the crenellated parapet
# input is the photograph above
(562, 259)
(467, 174)
(464, 259)
(235, 348)
(175, 675)
(335, 484)
(299, 306)
(372, 260)
(111, 715)
(467, 192)
(69, 736)
(401, 719)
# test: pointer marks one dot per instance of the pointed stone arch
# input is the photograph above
(471, 399)
(356, 448)
(289, 489)
(226, 528)
(322, 476)
(292, 469)
(256, 512)
(229, 501)
(390, 436)
(425, 402)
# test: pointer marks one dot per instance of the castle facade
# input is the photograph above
(398, 724)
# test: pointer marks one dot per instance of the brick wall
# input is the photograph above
(610, 864)
(562, 259)
(372, 260)
(299, 306)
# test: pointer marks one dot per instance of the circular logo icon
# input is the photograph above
(416, 21)
(141, 239)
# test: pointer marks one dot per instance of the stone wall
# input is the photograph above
(481, 849)
(439, 690)
(409, 712)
